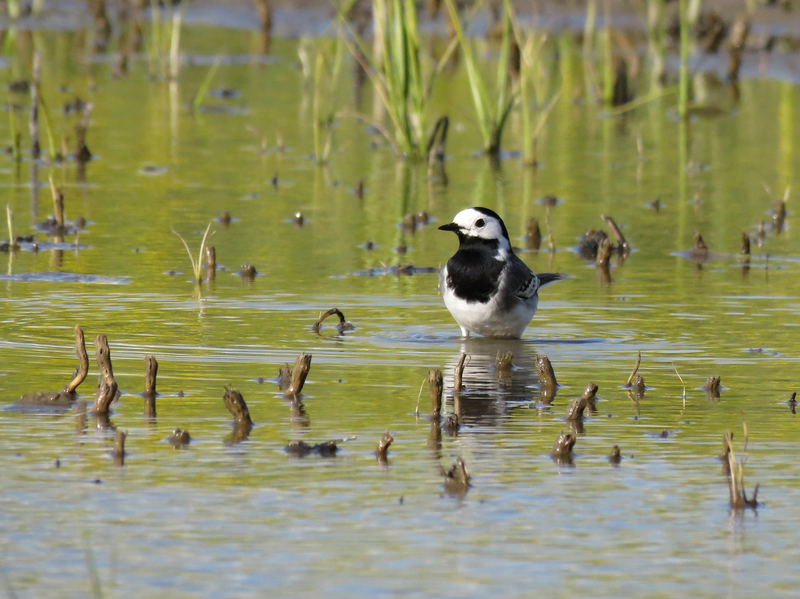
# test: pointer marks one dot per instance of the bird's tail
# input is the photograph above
(546, 278)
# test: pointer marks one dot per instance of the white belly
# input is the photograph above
(488, 319)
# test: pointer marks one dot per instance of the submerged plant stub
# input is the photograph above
(456, 478)
(236, 405)
(300, 449)
(547, 376)
(436, 384)
(179, 438)
(562, 447)
(502, 362)
(242, 424)
(107, 388)
(297, 375)
(119, 447)
(713, 387)
(383, 446)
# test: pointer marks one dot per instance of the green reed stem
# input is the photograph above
(683, 87)
(206, 84)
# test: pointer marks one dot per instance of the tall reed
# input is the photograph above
(493, 114)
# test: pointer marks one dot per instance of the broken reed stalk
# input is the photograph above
(34, 120)
(211, 263)
(299, 373)
(736, 491)
(82, 153)
(458, 373)
(150, 374)
(383, 446)
(436, 384)
(107, 387)
(119, 447)
(12, 126)
(634, 371)
(617, 233)
(58, 203)
(343, 324)
(83, 359)
(236, 406)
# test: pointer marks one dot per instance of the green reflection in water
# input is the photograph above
(233, 504)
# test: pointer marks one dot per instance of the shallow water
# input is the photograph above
(213, 520)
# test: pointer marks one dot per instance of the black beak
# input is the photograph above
(450, 227)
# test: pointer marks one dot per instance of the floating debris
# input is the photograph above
(343, 325)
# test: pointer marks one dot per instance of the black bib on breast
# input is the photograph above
(473, 272)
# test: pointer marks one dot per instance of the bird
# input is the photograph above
(486, 287)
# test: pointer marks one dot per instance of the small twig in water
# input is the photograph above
(682, 383)
(635, 370)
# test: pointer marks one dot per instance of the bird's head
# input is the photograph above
(479, 224)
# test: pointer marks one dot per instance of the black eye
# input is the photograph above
(479, 223)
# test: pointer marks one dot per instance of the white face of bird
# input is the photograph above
(473, 222)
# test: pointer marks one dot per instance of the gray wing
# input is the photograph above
(522, 281)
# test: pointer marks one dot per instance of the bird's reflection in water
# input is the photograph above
(489, 393)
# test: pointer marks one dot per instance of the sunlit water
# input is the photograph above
(217, 520)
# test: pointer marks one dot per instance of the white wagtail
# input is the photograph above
(486, 287)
